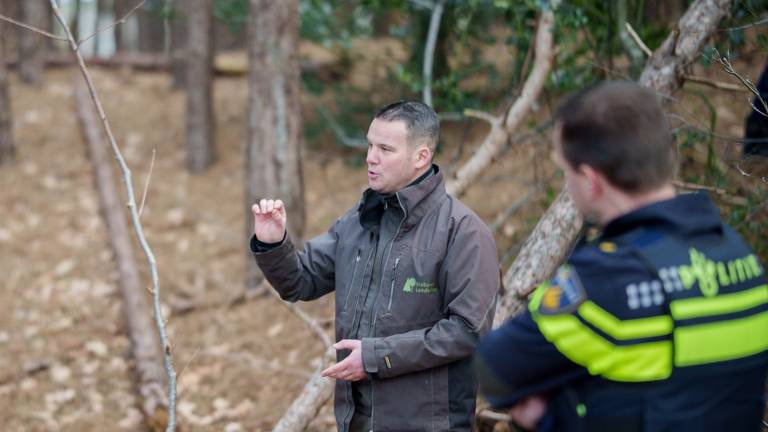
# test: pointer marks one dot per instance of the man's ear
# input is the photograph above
(423, 157)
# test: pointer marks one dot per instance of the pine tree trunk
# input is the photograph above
(199, 64)
(273, 150)
(32, 46)
(120, 8)
(179, 36)
(7, 147)
(151, 27)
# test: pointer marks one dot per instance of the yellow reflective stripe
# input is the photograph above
(632, 363)
(625, 329)
(720, 304)
(533, 305)
(721, 341)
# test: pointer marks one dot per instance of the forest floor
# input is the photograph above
(64, 355)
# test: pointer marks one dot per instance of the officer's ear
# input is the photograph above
(423, 156)
(593, 179)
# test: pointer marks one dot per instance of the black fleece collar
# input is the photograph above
(373, 204)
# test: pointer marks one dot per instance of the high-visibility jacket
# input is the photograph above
(659, 324)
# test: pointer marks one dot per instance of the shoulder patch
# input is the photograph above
(564, 294)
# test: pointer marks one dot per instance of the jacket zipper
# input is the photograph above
(352, 281)
(392, 286)
(373, 326)
(389, 253)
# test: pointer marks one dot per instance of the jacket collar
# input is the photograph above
(415, 200)
(684, 214)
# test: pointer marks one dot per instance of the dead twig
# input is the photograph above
(728, 68)
(146, 184)
(34, 29)
(160, 323)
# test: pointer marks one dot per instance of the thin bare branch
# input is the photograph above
(109, 26)
(308, 320)
(728, 68)
(746, 26)
(482, 115)
(637, 40)
(146, 184)
(160, 323)
(429, 49)
(716, 84)
(34, 29)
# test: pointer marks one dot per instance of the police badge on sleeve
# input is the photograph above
(564, 294)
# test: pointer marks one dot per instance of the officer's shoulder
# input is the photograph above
(596, 272)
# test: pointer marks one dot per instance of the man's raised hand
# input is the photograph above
(269, 220)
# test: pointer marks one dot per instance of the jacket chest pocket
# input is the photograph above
(411, 292)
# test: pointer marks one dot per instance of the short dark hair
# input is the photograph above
(618, 128)
(420, 120)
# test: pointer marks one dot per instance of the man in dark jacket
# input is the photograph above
(658, 324)
(415, 274)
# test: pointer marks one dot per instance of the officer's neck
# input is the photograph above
(617, 203)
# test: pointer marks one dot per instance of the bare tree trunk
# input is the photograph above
(32, 46)
(103, 7)
(315, 393)
(179, 35)
(151, 28)
(200, 121)
(556, 232)
(145, 347)
(120, 8)
(273, 150)
(7, 147)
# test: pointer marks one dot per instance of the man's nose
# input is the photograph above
(371, 157)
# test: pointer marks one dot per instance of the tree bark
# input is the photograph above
(179, 35)
(199, 64)
(151, 28)
(32, 46)
(145, 347)
(273, 150)
(120, 8)
(305, 407)
(7, 147)
(554, 235)
(103, 7)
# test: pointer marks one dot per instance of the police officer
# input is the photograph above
(658, 324)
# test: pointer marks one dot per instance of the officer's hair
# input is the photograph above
(619, 129)
(420, 119)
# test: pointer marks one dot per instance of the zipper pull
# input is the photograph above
(397, 260)
(357, 259)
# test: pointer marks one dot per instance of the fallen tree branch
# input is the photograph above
(498, 137)
(159, 322)
(552, 238)
(304, 409)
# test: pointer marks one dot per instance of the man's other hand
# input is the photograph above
(351, 368)
(269, 220)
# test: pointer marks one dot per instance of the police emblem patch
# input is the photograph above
(564, 294)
